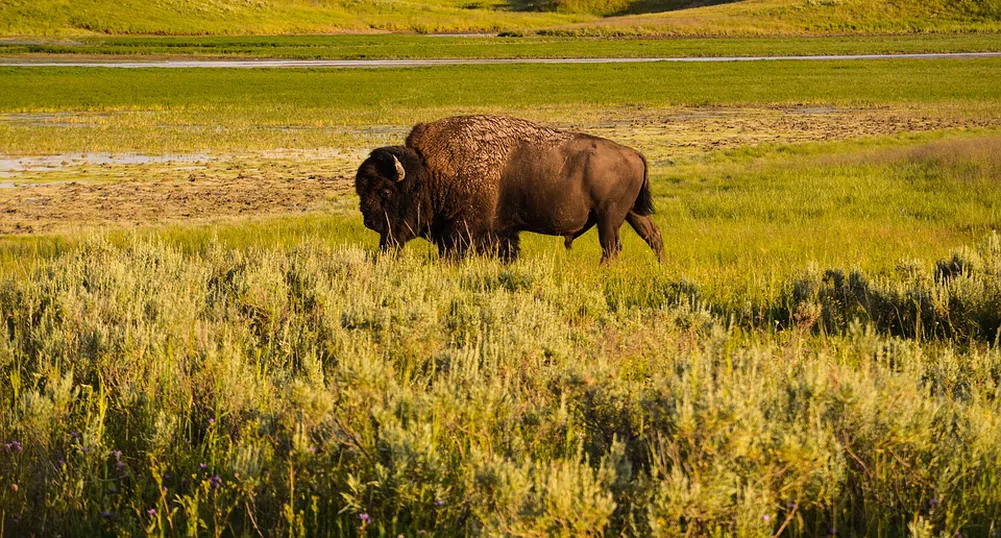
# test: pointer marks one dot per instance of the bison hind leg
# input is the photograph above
(646, 229)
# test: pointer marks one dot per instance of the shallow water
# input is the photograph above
(11, 165)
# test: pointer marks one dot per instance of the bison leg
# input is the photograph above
(608, 236)
(568, 239)
(509, 248)
(646, 229)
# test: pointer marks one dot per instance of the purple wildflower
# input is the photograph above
(439, 502)
(114, 490)
(211, 421)
(86, 449)
(15, 446)
(215, 481)
(117, 454)
(202, 466)
(766, 517)
(364, 517)
(933, 503)
(166, 477)
(107, 515)
(151, 512)
(75, 435)
(61, 462)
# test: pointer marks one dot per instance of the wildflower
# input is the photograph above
(151, 512)
(766, 517)
(86, 449)
(117, 454)
(439, 502)
(202, 466)
(365, 519)
(107, 515)
(113, 490)
(15, 446)
(215, 481)
(119, 465)
(13, 487)
(166, 477)
(933, 503)
(211, 421)
(61, 462)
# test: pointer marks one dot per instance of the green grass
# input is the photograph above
(156, 387)
(235, 17)
(820, 351)
(415, 46)
(142, 110)
(805, 17)
(663, 17)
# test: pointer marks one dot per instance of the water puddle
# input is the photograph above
(11, 166)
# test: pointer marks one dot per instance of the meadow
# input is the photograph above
(818, 355)
(415, 46)
(714, 18)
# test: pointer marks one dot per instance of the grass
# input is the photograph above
(401, 46)
(805, 17)
(659, 17)
(310, 389)
(195, 110)
(819, 353)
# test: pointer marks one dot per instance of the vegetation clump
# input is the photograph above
(326, 391)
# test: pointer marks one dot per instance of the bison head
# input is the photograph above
(386, 184)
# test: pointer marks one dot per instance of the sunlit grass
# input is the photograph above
(393, 46)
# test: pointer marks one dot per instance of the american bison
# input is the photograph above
(476, 182)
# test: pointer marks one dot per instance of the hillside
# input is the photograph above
(574, 17)
(804, 17)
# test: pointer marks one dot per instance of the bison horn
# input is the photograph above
(400, 172)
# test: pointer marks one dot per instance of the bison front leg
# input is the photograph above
(508, 248)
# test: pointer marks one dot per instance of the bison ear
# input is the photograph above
(400, 172)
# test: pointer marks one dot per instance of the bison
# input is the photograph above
(476, 182)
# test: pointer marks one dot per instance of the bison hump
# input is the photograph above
(471, 152)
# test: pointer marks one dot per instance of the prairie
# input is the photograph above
(575, 17)
(411, 46)
(200, 338)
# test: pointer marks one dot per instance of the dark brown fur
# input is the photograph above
(478, 181)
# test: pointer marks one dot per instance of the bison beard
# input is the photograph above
(476, 182)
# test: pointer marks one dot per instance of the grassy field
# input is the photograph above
(579, 17)
(403, 46)
(199, 337)
(804, 17)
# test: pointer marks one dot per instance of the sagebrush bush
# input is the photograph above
(961, 300)
(329, 391)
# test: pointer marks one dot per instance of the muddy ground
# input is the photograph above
(55, 193)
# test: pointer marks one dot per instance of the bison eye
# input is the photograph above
(387, 192)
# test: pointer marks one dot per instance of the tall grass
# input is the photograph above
(317, 390)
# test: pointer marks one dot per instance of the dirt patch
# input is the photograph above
(49, 193)
(165, 198)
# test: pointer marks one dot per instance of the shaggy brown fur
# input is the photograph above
(477, 181)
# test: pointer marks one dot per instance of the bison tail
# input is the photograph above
(644, 201)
